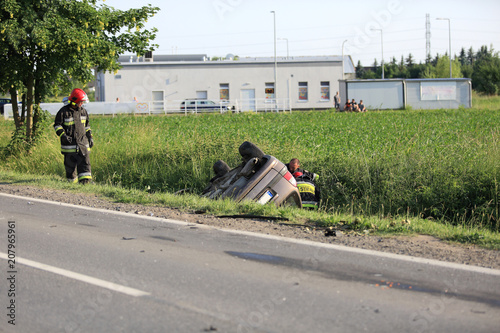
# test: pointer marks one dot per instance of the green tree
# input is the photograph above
(410, 61)
(486, 72)
(434, 61)
(429, 71)
(442, 69)
(369, 74)
(487, 76)
(391, 69)
(428, 59)
(403, 70)
(467, 70)
(463, 57)
(417, 70)
(46, 43)
(483, 53)
(360, 70)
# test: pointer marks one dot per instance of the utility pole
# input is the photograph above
(275, 64)
(449, 38)
(343, 58)
(427, 36)
(382, 46)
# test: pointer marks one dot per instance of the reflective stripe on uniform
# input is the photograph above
(73, 180)
(69, 121)
(309, 204)
(68, 149)
(306, 187)
(59, 130)
(85, 175)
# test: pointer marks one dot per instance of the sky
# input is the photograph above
(366, 29)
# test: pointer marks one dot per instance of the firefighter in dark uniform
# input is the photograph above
(72, 127)
(309, 192)
(306, 183)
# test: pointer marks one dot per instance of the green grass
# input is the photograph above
(485, 102)
(438, 168)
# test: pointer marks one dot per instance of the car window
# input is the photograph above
(292, 200)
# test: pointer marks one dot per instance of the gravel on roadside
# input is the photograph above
(418, 246)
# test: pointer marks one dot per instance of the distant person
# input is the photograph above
(72, 127)
(336, 100)
(347, 105)
(135, 99)
(118, 100)
(354, 106)
(361, 106)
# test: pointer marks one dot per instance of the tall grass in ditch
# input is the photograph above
(441, 164)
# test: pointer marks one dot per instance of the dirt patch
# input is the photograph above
(417, 246)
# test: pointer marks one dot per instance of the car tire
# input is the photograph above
(248, 151)
(221, 168)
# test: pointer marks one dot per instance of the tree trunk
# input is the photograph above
(37, 117)
(23, 108)
(15, 108)
(29, 107)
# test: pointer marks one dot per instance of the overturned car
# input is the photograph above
(261, 178)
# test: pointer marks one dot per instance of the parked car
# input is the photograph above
(261, 178)
(3, 101)
(195, 105)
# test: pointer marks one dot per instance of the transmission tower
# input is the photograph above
(427, 36)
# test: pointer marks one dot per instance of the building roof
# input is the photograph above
(163, 58)
(202, 58)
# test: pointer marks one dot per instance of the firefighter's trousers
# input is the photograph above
(77, 167)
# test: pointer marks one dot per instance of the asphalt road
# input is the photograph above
(85, 270)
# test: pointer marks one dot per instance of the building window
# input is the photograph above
(303, 91)
(118, 76)
(224, 91)
(270, 91)
(325, 90)
(201, 94)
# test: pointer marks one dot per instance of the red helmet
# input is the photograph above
(297, 174)
(78, 95)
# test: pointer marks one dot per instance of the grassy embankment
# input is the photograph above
(431, 172)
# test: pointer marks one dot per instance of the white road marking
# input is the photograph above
(77, 276)
(433, 262)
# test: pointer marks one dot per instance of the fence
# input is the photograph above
(185, 107)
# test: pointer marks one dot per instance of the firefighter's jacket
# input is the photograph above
(72, 127)
(309, 192)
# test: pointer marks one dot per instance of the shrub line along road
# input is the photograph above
(84, 269)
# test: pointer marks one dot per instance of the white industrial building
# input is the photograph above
(160, 83)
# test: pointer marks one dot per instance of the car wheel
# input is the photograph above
(221, 168)
(248, 151)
